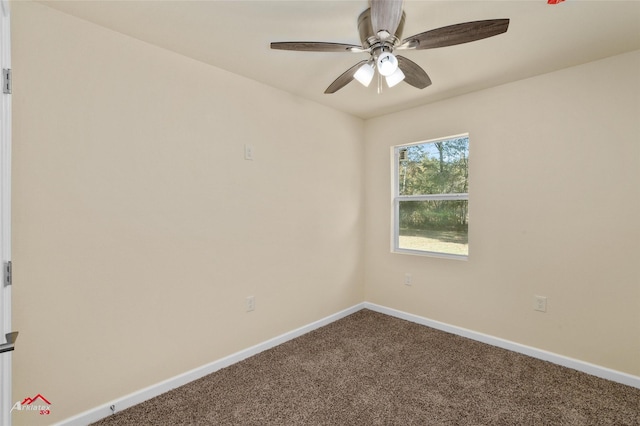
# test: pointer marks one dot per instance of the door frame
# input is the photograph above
(5, 214)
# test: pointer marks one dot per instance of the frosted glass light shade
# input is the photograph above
(364, 74)
(395, 78)
(387, 64)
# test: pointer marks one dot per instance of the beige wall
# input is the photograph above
(554, 208)
(139, 228)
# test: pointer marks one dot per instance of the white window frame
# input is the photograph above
(396, 198)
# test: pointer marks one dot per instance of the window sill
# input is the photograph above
(430, 254)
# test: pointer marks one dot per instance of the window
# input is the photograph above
(431, 199)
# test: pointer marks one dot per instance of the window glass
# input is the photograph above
(431, 207)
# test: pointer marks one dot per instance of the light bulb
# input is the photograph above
(395, 78)
(387, 64)
(364, 74)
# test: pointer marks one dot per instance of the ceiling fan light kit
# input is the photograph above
(365, 73)
(395, 78)
(380, 28)
(387, 64)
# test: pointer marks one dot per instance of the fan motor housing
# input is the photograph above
(369, 38)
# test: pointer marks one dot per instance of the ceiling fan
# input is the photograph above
(380, 28)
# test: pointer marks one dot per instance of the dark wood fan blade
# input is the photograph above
(316, 46)
(344, 79)
(385, 15)
(413, 74)
(455, 34)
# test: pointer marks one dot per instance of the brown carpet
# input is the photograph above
(372, 369)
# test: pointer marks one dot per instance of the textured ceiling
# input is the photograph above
(235, 36)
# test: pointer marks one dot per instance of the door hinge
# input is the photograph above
(6, 81)
(8, 272)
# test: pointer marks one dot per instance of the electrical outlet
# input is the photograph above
(540, 303)
(250, 303)
(248, 152)
(408, 279)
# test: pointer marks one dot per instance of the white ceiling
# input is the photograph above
(235, 35)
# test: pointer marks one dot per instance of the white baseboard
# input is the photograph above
(585, 367)
(152, 391)
(134, 398)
